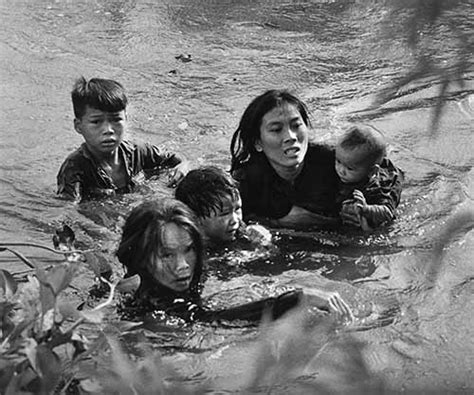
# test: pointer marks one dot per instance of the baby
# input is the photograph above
(370, 185)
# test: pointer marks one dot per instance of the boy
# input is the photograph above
(214, 197)
(106, 164)
(369, 184)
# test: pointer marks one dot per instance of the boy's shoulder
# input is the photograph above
(77, 158)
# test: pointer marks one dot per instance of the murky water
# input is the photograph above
(333, 55)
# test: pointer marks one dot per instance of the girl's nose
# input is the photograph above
(181, 263)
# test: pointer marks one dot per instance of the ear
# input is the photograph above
(258, 146)
(77, 125)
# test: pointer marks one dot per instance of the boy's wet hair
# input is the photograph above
(204, 190)
(370, 139)
(142, 237)
(101, 94)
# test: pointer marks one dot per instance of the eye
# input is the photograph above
(190, 248)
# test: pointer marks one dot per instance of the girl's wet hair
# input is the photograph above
(101, 94)
(142, 236)
(368, 138)
(243, 141)
(205, 190)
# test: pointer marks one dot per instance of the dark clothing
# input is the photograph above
(266, 195)
(383, 190)
(81, 177)
(189, 307)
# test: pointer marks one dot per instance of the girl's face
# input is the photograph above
(174, 266)
(283, 137)
(350, 165)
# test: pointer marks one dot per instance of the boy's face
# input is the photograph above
(350, 165)
(222, 225)
(102, 131)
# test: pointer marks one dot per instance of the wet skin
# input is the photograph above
(175, 264)
(350, 165)
(103, 132)
(284, 140)
(222, 225)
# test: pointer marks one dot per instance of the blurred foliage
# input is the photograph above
(419, 20)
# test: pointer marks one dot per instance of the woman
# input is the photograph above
(283, 177)
(162, 245)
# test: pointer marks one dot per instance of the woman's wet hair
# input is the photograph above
(367, 138)
(248, 132)
(101, 94)
(205, 190)
(142, 236)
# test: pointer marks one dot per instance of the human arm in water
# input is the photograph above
(356, 212)
(299, 217)
(279, 305)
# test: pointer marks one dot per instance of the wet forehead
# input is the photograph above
(92, 112)
(232, 202)
(284, 113)
(175, 237)
(354, 156)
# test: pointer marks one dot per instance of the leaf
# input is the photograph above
(128, 284)
(94, 316)
(7, 283)
(58, 277)
(48, 367)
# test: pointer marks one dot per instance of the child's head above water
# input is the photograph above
(161, 243)
(214, 197)
(99, 110)
(98, 93)
(359, 153)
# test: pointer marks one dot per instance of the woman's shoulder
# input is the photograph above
(320, 152)
(256, 167)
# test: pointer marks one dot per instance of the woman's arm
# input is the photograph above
(299, 217)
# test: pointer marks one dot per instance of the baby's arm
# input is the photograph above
(357, 212)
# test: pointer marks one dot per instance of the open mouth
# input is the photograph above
(292, 151)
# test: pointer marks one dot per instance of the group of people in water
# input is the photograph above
(278, 178)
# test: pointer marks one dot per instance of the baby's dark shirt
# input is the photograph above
(384, 189)
(81, 177)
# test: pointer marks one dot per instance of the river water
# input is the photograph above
(335, 55)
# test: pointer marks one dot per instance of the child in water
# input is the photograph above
(161, 243)
(370, 185)
(214, 197)
(105, 163)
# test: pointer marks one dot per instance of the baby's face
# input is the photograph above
(350, 166)
(222, 225)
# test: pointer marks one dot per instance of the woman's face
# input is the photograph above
(174, 266)
(283, 137)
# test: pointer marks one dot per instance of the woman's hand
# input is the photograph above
(331, 300)
(300, 217)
